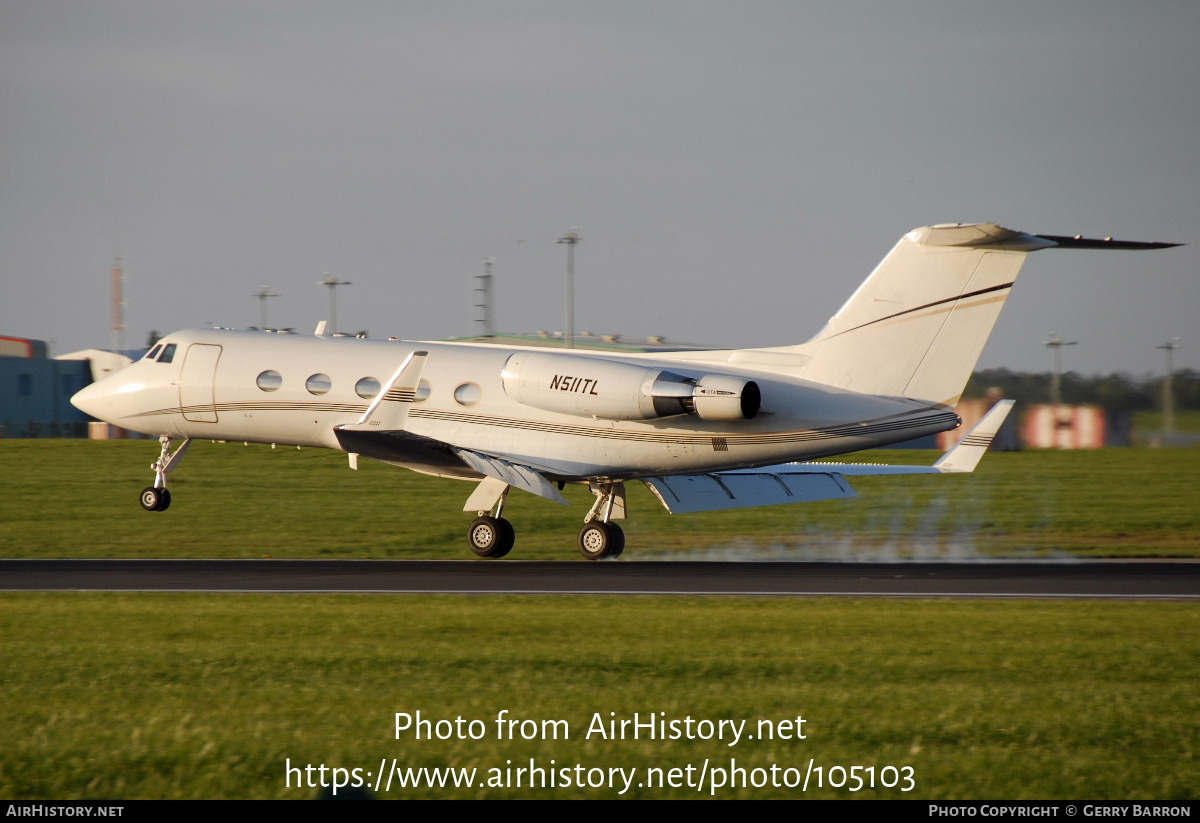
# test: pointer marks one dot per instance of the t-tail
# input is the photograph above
(916, 327)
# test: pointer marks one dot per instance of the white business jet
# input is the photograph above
(703, 430)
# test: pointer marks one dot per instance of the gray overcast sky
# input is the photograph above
(736, 168)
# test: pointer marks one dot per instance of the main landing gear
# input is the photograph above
(600, 538)
(157, 498)
(491, 536)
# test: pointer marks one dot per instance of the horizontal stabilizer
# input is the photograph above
(687, 493)
(964, 457)
(1081, 242)
(514, 474)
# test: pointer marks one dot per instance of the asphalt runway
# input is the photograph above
(1151, 580)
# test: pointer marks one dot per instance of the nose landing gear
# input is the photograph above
(157, 498)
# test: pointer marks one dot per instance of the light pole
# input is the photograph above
(332, 282)
(570, 239)
(1168, 390)
(1055, 342)
(262, 294)
(484, 289)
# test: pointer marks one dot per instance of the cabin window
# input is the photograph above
(367, 388)
(270, 380)
(153, 353)
(318, 384)
(168, 354)
(423, 391)
(467, 394)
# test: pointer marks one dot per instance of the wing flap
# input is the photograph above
(686, 493)
(514, 474)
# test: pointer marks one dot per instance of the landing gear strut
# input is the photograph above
(600, 538)
(491, 535)
(157, 498)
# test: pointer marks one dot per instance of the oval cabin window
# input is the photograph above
(318, 384)
(367, 388)
(270, 380)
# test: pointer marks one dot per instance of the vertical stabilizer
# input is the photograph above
(918, 324)
(916, 327)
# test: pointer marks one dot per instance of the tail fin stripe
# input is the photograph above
(932, 305)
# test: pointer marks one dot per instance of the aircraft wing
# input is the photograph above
(806, 482)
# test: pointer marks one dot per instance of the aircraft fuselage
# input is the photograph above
(295, 389)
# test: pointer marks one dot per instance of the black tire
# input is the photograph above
(164, 500)
(618, 541)
(599, 540)
(151, 498)
(491, 536)
(509, 535)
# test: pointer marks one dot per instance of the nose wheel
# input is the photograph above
(156, 498)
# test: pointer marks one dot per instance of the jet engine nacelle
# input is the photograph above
(594, 387)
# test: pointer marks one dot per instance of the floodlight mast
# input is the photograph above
(570, 239)
(484, 289)
(1056, 343)
(118, 303)
(262, 294)
(1168, 390)
(332, 282)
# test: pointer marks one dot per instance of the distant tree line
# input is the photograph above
(1115, 392)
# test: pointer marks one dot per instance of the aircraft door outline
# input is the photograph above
(197, 383)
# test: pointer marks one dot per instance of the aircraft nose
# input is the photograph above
(91, 400)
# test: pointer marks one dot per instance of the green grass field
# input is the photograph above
(193, 696)
(73, 498)
(1147, 424)
(209, 696)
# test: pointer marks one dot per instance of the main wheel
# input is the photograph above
(599, 540)
(154, 499)
(491, 536)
